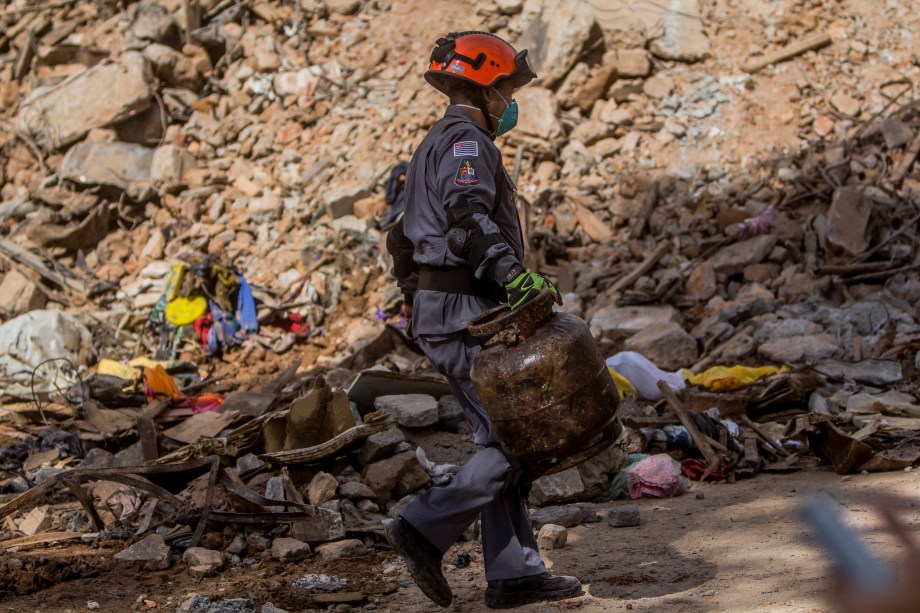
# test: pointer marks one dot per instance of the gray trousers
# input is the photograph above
(443, 513)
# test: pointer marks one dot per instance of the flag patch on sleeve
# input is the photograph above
(467, 148)
(466, 174)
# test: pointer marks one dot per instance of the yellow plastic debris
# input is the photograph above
(184, 311)
(174, 280)
(624, 387)
(169, 365)
(730, 377)
(117, 369)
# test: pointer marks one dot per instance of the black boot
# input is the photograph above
(422, 558)
(510, 593)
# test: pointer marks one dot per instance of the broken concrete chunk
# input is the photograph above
(625, 516)
(848, 220)
(204, 561)
(450, 413)
(173, 68)
(274, 490)
(64, 114)
(340, 201)
(594, 478)
(32, 338)
(257, 541)
(633, 63)
(367, 505)
(325, 525)
(611, 113)
(702, 282)
(786, 328)
(343, 7)
(625, 321)
(800, 349)
(236, 546)
(752, 300)
(555, 33)
(870, 372)
(97, 457)
(733, 259)
(564, 515)
(540, 121)
(349, 548)
(289, 550)
(398, 475)
(847, 105)
(380, 445)
(896, 133)
(154, 23)
(559, 487)
(665, 344)
(152, 553)
(591, 131)
(411, 478)
(122, 165)
(658, 87)
(38, 520)
(552, 536)
(18, 295)
(410, 410)
(589, 512)
(202, 604)
(78, 234)
(683, 38)
(355, 490)
(611, 460)
(509, 7)
(322, 488)
(169, 164)
(248, 462)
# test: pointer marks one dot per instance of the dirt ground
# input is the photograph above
(740, 548)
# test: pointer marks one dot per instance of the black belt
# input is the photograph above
(458, 280)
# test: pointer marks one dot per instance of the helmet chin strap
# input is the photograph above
(490, 119)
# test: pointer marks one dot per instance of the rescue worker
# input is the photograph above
(458, 252)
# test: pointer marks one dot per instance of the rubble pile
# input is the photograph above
(190, 189)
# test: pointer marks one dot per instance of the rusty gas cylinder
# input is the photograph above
(544, 385)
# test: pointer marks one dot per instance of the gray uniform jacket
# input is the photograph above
(457, 164)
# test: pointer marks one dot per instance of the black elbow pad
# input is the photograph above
(465, 238)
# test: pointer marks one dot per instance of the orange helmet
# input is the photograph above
(479, 58)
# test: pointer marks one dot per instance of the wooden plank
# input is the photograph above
(41, 539)
(110, 421)
(647, 264)
(596, 229)
(809, 43)
(147, 433)
(640, 421)
(202, 425)
(326, 449)
(12, 252)
(709, 454)
(750, 424)
(904, 165)
(43, 6)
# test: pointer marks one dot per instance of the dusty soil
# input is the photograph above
(740, 548)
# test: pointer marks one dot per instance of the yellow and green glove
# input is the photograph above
(526, 286)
